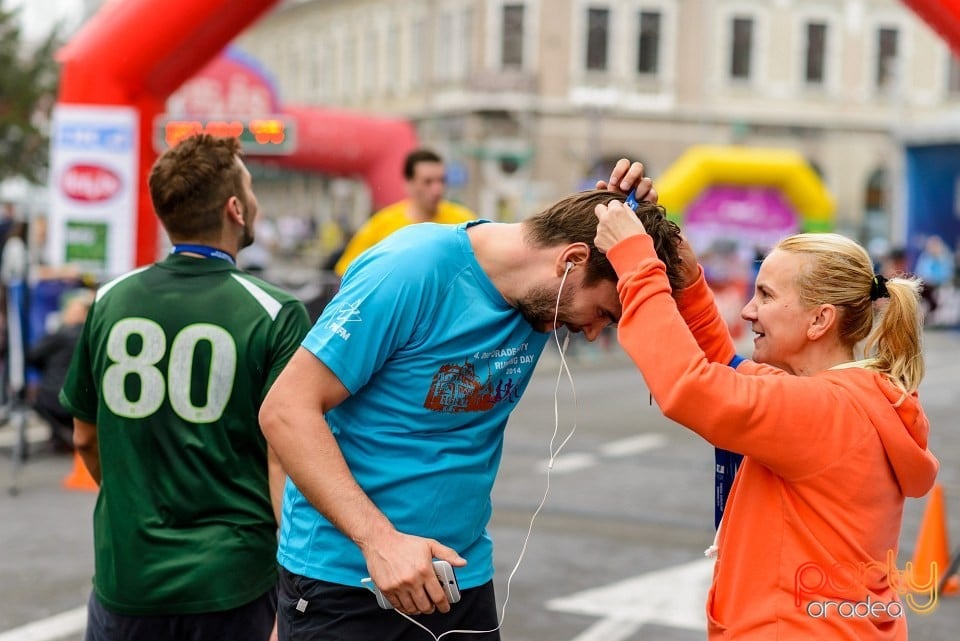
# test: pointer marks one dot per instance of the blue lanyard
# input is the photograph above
(727, 464)
(204, 250)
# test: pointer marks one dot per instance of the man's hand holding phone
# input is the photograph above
(445, 576)
(412, 574)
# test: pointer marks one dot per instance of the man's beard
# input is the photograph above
(246, 239)
(539, 306)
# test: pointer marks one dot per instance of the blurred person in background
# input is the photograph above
(426, 183)
(256, 258)
(8, 216)
(894, 262)
(51, 356)
(165, 386)
(935, 268)
(14, 274)
(14, 265)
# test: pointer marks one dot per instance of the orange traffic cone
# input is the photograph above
(79, 477)
(932, 549)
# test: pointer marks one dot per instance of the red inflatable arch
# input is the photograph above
(943, 16)
(136, 53)
(344, 143)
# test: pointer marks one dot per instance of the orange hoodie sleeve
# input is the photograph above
(776, 419)
(699, 311)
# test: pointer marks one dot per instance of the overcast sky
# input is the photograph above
(38, 16)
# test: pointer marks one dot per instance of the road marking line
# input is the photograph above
(576, 461)
(35, 434)
(55, 627)
(608, 630)
(633, 445)
(570, 462)
(671, 597)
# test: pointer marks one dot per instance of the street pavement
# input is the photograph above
(616, 553)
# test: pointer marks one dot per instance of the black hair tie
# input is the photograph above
(878, 288)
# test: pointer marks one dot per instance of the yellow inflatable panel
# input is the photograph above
(784, 169)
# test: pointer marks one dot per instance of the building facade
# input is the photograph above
(529, 100)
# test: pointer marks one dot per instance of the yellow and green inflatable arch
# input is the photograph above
(784, 170)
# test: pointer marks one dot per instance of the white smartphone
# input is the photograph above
(445, 575)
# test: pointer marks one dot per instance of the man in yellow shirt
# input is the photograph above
(424, 172)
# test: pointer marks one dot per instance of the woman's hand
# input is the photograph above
(615, 221)
(626, 176)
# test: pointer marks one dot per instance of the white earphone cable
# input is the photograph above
(553, 455)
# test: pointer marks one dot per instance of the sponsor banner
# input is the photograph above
(93, 188)
(231, 96)
(89, 183)
(86, 242)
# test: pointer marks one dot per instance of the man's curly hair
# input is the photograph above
(572, 220)
(190, 184)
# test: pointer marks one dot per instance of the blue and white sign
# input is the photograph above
(94, 154)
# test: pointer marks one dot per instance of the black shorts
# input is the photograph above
(250, 622)
(335, 612)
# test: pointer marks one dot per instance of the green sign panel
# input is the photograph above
(87, 243)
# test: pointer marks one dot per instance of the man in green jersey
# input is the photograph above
(165, 386)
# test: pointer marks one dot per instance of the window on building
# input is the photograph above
(511, 51)
(393, 57)
(445, 45)
(323, 69)
(953, 75)
(292, 66)
(648, 48)
(466, 43)
(336, 68)
(816, 51)
(886, 57)
(875, 195)
(311, 81)
(876, 221)
(741, 47)
(371, 62)
(598, 36)
(348, 56)
(416, 52)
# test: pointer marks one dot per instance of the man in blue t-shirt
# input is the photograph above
(389, 420)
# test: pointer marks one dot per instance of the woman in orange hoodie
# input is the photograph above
(833, 445)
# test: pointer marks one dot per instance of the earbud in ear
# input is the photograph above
(570, 265)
